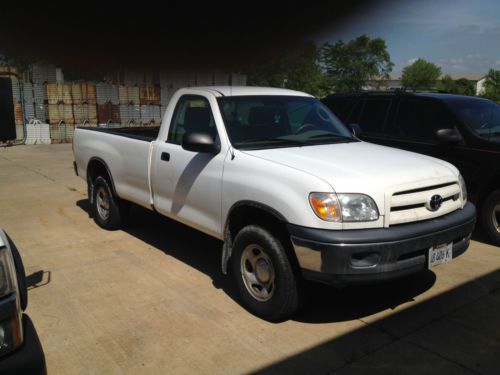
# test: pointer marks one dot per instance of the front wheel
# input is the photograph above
(491, 216)
(109, 211)
(263, 274)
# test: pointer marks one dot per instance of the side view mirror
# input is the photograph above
(449, 136)
(200, 142)
(355, 129)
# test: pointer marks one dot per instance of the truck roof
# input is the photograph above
(249, 90)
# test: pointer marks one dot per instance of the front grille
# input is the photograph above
(412, 205)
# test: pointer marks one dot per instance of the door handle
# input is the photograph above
(165, 156)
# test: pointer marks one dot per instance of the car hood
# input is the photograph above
(362, 167)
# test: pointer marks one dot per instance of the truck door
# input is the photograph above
(187, 185)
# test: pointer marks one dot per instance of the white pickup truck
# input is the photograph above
(290, 191)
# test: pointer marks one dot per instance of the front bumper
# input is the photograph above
(27, 359)
(368, 255)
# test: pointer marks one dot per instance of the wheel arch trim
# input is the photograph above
(227, 248)
(96, 159)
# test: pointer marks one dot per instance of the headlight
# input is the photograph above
(463, 188)
(11, 334)
(343, 207)
(358, 207)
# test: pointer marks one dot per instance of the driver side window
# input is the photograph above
(192, 114)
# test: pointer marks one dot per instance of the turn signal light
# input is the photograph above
(325, 206)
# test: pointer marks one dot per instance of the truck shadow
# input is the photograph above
(453, 332)
(324, 303)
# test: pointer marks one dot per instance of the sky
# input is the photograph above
(462, 36)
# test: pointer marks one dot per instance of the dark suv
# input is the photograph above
(462, 130)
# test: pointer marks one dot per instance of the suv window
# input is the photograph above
(192, 114)
(374, 115)
(355, 113)
(340, 106)
(419, 119)
(480, 115)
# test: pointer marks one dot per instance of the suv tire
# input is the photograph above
(490, 216)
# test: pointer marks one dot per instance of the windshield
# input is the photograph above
(481, 116)
(255, 122)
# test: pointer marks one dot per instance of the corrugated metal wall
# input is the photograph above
(108, 113)
(149, 95)
(128, 98)
(41, 112)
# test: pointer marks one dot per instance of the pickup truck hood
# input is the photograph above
(361, 167)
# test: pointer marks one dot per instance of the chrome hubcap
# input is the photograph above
(102, 201)
(495, 216)
(257, 272)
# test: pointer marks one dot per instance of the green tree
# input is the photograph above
(349, 65)
(460, 86)
(446, 84)
(297, 69)
(420, 75)
(492, 85)
(464, 87)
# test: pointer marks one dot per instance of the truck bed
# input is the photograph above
(125, 152)
(147, 134)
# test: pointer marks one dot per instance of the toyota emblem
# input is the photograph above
(434, 203)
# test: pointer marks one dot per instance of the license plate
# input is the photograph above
(440, 254)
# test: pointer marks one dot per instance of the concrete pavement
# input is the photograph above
(151, 298)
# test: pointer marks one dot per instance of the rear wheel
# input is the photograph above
(491, 216)
(263, 274)
(109, 211)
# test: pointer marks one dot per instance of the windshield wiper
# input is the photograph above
(331, 135)
(277, 140)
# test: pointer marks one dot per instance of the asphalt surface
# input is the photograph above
(152, 299)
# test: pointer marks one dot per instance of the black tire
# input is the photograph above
(490, 217)
(284, 297)
(117, 209)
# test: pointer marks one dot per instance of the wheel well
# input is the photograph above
(492, 185)
(97, 167)
(249, 213)
(244, 215)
